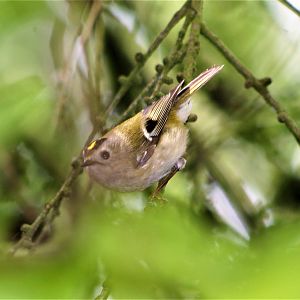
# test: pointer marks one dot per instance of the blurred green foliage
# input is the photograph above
(186, 248)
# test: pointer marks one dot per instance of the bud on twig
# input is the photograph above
(179, 77)
(166, 61)
(122, 79)
(139, 57)
(167, 80)
(159, 68)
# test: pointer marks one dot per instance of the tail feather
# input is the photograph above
(197, 83)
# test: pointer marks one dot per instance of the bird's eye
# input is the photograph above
(105, 154)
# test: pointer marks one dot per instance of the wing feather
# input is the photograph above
(158, 113)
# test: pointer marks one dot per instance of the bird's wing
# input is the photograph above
(154, 119)
(156, 115)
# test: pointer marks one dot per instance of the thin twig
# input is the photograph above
(52, 206)
(82, 37)
(155, 84)
(260, 85)
(290, 7)
(194, 40)
(29, 231)
(91, 84)
(89, 24)
(142, 58)
(176, 56)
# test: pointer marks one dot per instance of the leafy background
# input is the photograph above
(230, 228)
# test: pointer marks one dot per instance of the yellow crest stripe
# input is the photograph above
(91, 146)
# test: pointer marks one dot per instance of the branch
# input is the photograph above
(176, 56)
(91, 20)
(29, 231)
(290, 7)
(152, 88)
(260, 85)
(193, 43)
(90, 82)
(142, 58)
(80, 40)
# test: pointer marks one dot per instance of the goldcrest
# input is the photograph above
(148, 147)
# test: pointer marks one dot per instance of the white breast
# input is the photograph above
(184, 110)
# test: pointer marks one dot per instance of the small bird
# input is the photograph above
(147, 147)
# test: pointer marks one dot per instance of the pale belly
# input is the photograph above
(170, 148)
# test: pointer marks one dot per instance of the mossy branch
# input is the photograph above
(193, 47)
(29, 231)
(142, 58)
(260, 85)
(177, 55)
(155, 83)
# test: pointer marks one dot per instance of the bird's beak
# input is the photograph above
(89, 162)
